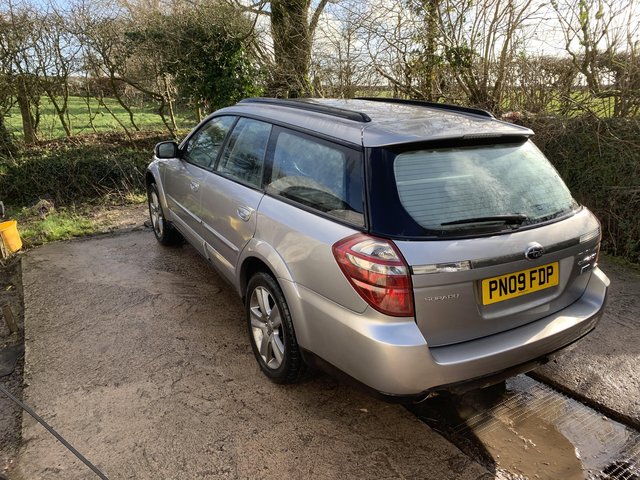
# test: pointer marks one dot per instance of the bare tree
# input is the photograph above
(105, 52)
(390, 34)
(16, 47)
(452, 50)
(601, 38)
(543, 84)
(55, 53)
(340, 65)
(587, 33)
(480, 40)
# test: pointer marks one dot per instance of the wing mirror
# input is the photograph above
(167, 150)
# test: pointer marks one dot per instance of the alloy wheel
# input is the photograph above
(155, 211)
(266, 327)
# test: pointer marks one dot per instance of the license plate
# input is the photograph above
(504, 287)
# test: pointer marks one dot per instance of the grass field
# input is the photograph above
(50, 127)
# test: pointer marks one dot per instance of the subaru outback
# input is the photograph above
(412, 246)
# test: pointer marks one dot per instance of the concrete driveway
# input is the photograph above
(138, 355)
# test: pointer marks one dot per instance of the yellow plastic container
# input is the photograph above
(11, 240)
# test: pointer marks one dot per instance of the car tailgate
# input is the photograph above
(449, 277)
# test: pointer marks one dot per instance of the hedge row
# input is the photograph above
(76, 170)
(599, 159)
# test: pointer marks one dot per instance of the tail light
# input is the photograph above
(588, 259)
(378, 273)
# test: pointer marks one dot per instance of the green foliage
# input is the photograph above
(599, 159)
(67, 171)
(460, 57)
(207, 50)
(42, 223)
(60, 225)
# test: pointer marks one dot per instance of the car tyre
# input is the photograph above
(271, 332)
(165, 233)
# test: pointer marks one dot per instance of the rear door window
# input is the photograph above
(442, 188)
(319, 175)
(243, 157)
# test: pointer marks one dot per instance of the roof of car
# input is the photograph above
(379, 122)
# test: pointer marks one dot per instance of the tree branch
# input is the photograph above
(316, 17)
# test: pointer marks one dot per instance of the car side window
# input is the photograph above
(319, 175)
(203, 147)
(243, 157)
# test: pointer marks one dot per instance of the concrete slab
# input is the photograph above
(604, 368)
(137, 354)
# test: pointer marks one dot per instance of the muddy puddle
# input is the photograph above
(530, 431)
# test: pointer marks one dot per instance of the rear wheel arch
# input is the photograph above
(251, 266)
(260, 256)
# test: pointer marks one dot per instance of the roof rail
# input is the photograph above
(424, 103)
(303, 104)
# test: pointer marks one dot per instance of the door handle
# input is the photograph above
(194, 186)
(245, 213)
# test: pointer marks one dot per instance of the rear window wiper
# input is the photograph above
(511, 219)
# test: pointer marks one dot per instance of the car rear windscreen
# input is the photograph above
(451, 189)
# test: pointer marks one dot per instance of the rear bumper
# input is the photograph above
(392, 357)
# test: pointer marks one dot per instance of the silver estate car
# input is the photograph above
(412, 246)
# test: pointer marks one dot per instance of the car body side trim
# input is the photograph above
(182, 226)
(210, 251)
(220, 237)
(205, 249)
(185, 209)
(209, 228)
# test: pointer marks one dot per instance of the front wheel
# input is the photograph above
(163, 230)
(271, 333)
